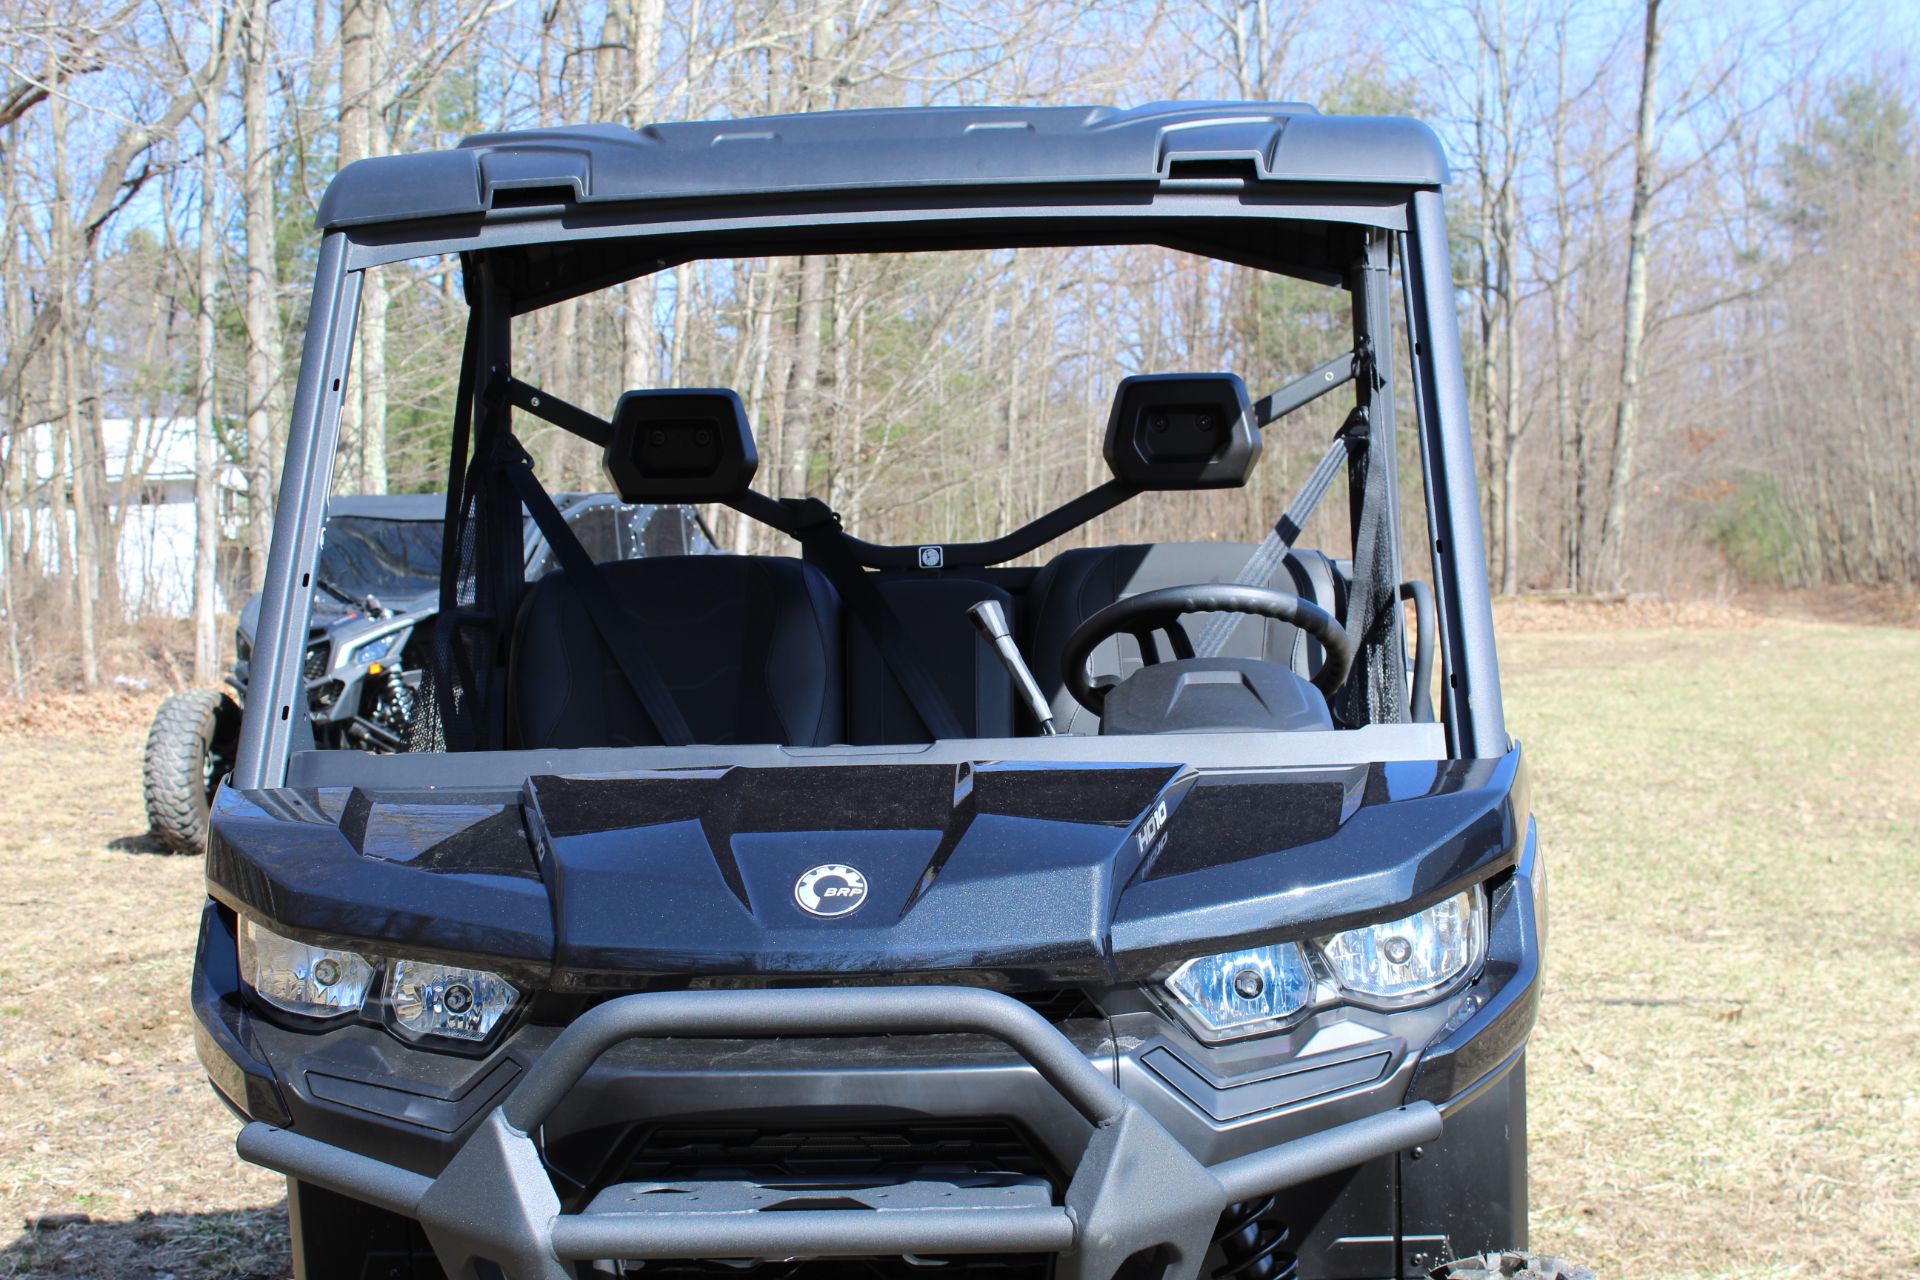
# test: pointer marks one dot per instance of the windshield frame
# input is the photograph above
(1470, 694)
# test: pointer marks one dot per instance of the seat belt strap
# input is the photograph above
(609, 619)
(1266, 558)
(817, 527)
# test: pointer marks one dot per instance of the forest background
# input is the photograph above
(1686, 240)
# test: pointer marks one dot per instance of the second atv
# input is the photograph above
(377, 591)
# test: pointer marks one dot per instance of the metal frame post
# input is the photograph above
(1476, 722)
(276, 689)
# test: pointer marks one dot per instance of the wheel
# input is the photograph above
(189, 752)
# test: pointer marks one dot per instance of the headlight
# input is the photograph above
(378, 649)
(1404, 959)
(1239, 990)
(441, 1000)
(1402, 962)
(315, 981)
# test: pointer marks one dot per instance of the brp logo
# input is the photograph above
(830, 890)
(933, 557)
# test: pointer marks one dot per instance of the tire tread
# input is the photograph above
(172, 769)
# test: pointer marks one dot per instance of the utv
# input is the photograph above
(1019, 906)
(377, 589)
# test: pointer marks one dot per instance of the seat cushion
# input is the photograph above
(1077, 584)
(933, 612)
(750, 646)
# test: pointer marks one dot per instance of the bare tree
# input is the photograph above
(1633, 325)
(206, 635)
(356, 106)
(263, 288)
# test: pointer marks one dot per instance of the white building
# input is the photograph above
(149, 470)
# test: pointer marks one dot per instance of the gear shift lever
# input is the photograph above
(991, 620)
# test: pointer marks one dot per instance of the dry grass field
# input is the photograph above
(1725, 1081)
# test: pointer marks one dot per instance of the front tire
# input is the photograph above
(189, 753)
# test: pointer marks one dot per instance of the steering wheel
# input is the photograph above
(1150, 611)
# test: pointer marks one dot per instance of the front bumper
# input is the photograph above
(1151, 1134)
(1135, 1192)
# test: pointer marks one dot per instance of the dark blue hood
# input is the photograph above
(1017, 873)
(965, 867)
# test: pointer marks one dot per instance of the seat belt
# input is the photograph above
(609, 619)
(1266, 558)
(817, 527)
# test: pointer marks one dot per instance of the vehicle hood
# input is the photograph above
(331, 616)
(1026, 872)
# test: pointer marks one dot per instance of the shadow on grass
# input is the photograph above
(246, 1244)
(146, 842)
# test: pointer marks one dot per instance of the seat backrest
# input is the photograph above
(1077, 584)
(933, 612)
(750, 646)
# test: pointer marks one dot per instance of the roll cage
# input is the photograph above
(555, 214)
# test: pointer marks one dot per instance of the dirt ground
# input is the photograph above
(1725, 1080)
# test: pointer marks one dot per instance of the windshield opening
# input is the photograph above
(935, 522)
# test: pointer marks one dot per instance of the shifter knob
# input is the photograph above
(991, 620)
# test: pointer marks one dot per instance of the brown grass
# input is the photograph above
(1725, 1081)
(104, 1109)
(1726, 1076)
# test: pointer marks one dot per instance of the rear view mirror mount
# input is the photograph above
(1182, 431)
(681, 446)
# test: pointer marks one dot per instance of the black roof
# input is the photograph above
(885, 149)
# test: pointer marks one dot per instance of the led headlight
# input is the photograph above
(378, 649)
(442, 1000)
(316, 981)
(1406, 959)
(1241, 990)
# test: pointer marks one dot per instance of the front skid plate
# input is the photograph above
(1136, 1191)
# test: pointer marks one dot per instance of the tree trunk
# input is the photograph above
(1486, 308)
(66, 263)
(356, 90)
(804, 407)
(1510, 420)
(682, 317)
(640, 23)
(844, 441)
(761, 310)
(1634, 323)
(376, 293)
(1557, 303)
(262, 302)
(206, 638)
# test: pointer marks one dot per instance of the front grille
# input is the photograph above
(883, 1153)
(854, 1154)
(315, 664)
